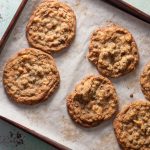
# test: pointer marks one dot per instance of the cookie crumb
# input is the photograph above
(131, 95)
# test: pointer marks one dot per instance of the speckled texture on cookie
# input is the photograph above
(93, 100)
(51, 27)
(113, 51)
(132, 126)
(145, 81)
(30, 77)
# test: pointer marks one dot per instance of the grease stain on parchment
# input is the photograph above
(82, 8)
(37, 115)
(77, 3)
(132, 83)
(106, 138)
(143, 45)
(69, 131)
(135, 85)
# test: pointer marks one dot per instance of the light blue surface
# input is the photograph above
(143, 5)
(7, 10)
(12, 138)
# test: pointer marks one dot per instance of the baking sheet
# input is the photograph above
(50, 118)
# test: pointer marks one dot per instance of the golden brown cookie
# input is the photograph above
(113, 51)
(93, 101)
(31, 76)
(145, 81)
(132, 126)
(51, 27)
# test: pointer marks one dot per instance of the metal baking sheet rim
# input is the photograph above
(35, 134)
(131, 10)
(6, 119)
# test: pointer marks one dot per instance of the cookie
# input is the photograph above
(93, 101)
(113, 51)
(51, 27)
(30, 77)
(132, 126)
(145, 81)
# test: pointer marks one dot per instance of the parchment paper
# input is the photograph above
(50, 118)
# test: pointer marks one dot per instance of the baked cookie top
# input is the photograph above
(132, 126)
(30, 77)
(92, 101)
(113, 50)
(51, 27)
(145, 81)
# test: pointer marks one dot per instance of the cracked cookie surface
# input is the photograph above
(30, 77)
(52, 26)
(93, 100)
(145, 81)
(113, 51)
(132, 126)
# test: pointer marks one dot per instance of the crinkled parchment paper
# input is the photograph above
(50, 118)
